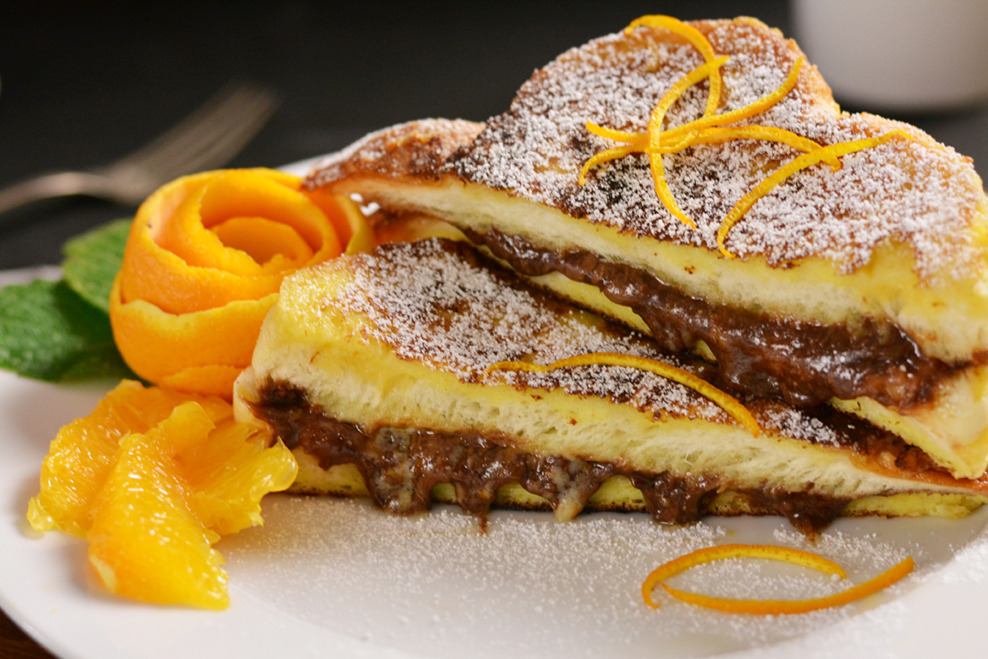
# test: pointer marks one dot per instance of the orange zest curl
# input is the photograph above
(720, 134)
(714, 128)
(767, 607)
(655, 134)
(823, 154)
(726, 402)
(748, 111)
(722, 552)
(616, 135)
(697, 39)
(639, 142)
(652, 142)
(614, 153)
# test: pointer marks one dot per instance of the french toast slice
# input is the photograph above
(406, 374)
(863, 283)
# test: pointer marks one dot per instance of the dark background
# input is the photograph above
(84, 83)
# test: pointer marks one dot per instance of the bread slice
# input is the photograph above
(865, 286)
(386, 373)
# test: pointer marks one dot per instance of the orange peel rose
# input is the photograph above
(203, 264)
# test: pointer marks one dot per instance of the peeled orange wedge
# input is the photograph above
(145, 541)
(153, 478)
(203, 264)
(83, 453)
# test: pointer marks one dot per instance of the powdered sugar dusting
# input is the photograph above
(433, 301)
(457, 316)
(917, 192)
(437, 586)
(795, 423)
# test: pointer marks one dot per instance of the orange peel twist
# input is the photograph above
(656, 134)
(715, 128)
(725, 401)
(203, 264)
(697, 39)
(767, 607)
(822, 154)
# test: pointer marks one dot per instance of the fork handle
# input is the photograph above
(48, 186)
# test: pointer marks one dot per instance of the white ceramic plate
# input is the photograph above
(333, 578)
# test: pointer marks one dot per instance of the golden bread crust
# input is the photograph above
(915, 192)
(417, 149)
(390, 351)
(892, 244)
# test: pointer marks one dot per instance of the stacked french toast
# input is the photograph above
(673, 276)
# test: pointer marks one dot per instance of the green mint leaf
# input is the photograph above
(92, 261)
(49, 332)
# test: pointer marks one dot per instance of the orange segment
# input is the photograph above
(153, 478)
(145, 542)
(228, 474)
(82, 453)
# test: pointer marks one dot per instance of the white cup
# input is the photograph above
(900, 55)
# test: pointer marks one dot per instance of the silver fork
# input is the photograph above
(209, 137)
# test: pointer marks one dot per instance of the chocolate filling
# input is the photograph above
(760, 355)
(401, 466)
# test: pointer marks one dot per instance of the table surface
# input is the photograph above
(84, 86)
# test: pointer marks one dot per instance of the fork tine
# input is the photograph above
(180, 149)
(208, 138)
(228, 143)
(186, 131)
(225, 133)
